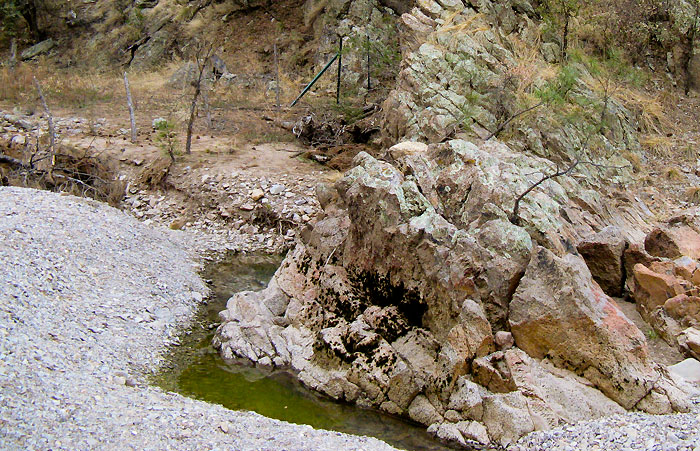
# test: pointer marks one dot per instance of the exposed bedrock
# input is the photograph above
(665, 282)
(413, 293)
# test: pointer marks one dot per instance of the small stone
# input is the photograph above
(257, 194)
(504, 340)
(247, 207)
(277, 189)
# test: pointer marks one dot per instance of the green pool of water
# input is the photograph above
(195, 369)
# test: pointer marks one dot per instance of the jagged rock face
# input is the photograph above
(559, 312)
(666, 284)
(460, 74)
(394, 297)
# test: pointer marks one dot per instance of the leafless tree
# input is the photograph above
(202, 56)
(131, 108)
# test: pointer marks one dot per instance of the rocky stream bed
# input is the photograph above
(90, 299)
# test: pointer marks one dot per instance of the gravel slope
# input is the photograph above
(89, 297)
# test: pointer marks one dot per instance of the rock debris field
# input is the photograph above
(90, 300)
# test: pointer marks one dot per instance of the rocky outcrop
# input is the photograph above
(37, 49)
(414, 293)
(460, 75)
(603, 253)
(666, 287)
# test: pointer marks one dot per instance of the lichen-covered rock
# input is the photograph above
(37, 49)
(393, 299)
(457, 78)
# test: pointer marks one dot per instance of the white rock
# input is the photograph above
(688, 369)
(277, 189)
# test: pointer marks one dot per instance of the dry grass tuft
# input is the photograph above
(692, 195)
(635, 160)
(649, 110)
(463, 27)
(659, 146)
(673, 173)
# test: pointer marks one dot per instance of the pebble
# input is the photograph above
(278, 189)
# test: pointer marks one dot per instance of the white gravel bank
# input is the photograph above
(89, 298)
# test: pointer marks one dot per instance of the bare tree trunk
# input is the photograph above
(52, 134)
(691, 38)
(131, 108)
(190, 122)
(13, 53)
(201, 64)
(277, 78)
(565, 38)
(27, 8)
(207, 109)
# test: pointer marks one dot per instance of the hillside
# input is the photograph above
(491, 208)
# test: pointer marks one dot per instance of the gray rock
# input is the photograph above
(277, 189)
(688, 369)
(422, 411)
(37, 49)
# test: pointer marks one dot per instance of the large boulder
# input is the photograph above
(653, 289)
(558, 312)
(37, 49)
(673, 242)
(603, 253)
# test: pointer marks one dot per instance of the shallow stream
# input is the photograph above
(196, 370)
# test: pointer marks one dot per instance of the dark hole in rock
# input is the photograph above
(378, 290)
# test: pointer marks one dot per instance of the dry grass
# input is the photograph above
(692, 195)
(70, 89)
(635, 160)
(650, 110)
(659, 146)
(674, 174)
(312, 13)
(463, 27)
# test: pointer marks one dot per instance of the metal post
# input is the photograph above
(277, 77)
(323, 71)
(369, 84)
(340, 67)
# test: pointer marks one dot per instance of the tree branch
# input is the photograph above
(515, 215)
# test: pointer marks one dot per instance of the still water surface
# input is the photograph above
(196, 370)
